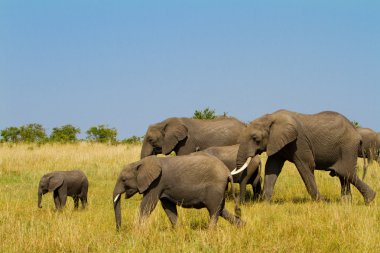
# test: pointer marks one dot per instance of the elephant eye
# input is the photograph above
(256, 138)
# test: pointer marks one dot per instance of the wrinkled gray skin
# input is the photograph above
(64, 183)
(251, 175)
(187, 135)
(189, 181)
(370, 145)
(323, 141)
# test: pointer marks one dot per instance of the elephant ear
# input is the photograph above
(283, 130)
(147, 171)
(174, 133)
(55, 181)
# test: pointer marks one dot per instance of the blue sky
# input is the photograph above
(129, 64)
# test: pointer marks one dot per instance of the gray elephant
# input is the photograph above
(227, 154)
(323, 141)
(187, 135)
(189, 181)
(370, 146)
(64, 183)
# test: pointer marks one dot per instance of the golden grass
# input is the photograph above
(293, 223)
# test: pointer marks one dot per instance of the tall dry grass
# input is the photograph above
(292, 223)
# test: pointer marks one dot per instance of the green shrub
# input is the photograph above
(64, 134)
(102, 134)
(10, 134)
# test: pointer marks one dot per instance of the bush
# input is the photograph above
(102, 134)
(64, 134)
(33, 133)
(133, 140)
(356, 124)
(205, 114)
(10, 134)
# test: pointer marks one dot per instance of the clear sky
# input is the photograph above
(129, 64)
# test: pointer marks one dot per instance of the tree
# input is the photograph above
(102, 134)
(33, 133)
(11, 134)
(64, 134)
(356, 124)
(205, 114)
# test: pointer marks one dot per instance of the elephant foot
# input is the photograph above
(346, 199)
(319, 197)
(239, 222)
(370, 197)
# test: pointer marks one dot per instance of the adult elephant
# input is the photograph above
(370, 146)
(227, 154)
(323, 141)
(187, 135)
(192, 181)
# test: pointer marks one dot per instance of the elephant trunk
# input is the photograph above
(242, 155)
(146, 149)
(116, 206)
(39, 199)
(116, 203)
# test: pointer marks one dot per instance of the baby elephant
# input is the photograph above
(64, 183)
(189, 181)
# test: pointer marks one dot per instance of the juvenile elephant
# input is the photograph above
(187, 135)
(370, 146)
(64, 183)
(189, 181)
(323, 141)
(227, 154)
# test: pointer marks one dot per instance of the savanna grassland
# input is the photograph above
(292, 223)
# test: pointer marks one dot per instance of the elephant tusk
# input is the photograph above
(234, 172)
(116, 198)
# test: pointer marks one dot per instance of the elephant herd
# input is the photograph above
(212, 153)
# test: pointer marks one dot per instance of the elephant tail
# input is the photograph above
(236, 200)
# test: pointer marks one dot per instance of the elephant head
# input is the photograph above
(135, 177)
(48, 183)
(162, 138)
(268, 133)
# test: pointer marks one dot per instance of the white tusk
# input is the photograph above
(116, 198)
(234, 172)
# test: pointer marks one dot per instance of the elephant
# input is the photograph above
(187, 135)
(191, 181)
(370, 145)
(323, 141)
(72, 183)
(227, 154)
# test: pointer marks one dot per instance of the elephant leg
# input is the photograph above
(273, 168)
(243, 188)
(148, 204)
(230, 217)
(83, 201)
(170, 209)
(76, 202)
(346, 189)
(62, 194)
(214, 204)
(256, 186)
(83, 195)
(306, 169)
(363, 188)
(57, 201)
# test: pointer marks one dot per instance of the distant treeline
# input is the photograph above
(36, 133)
